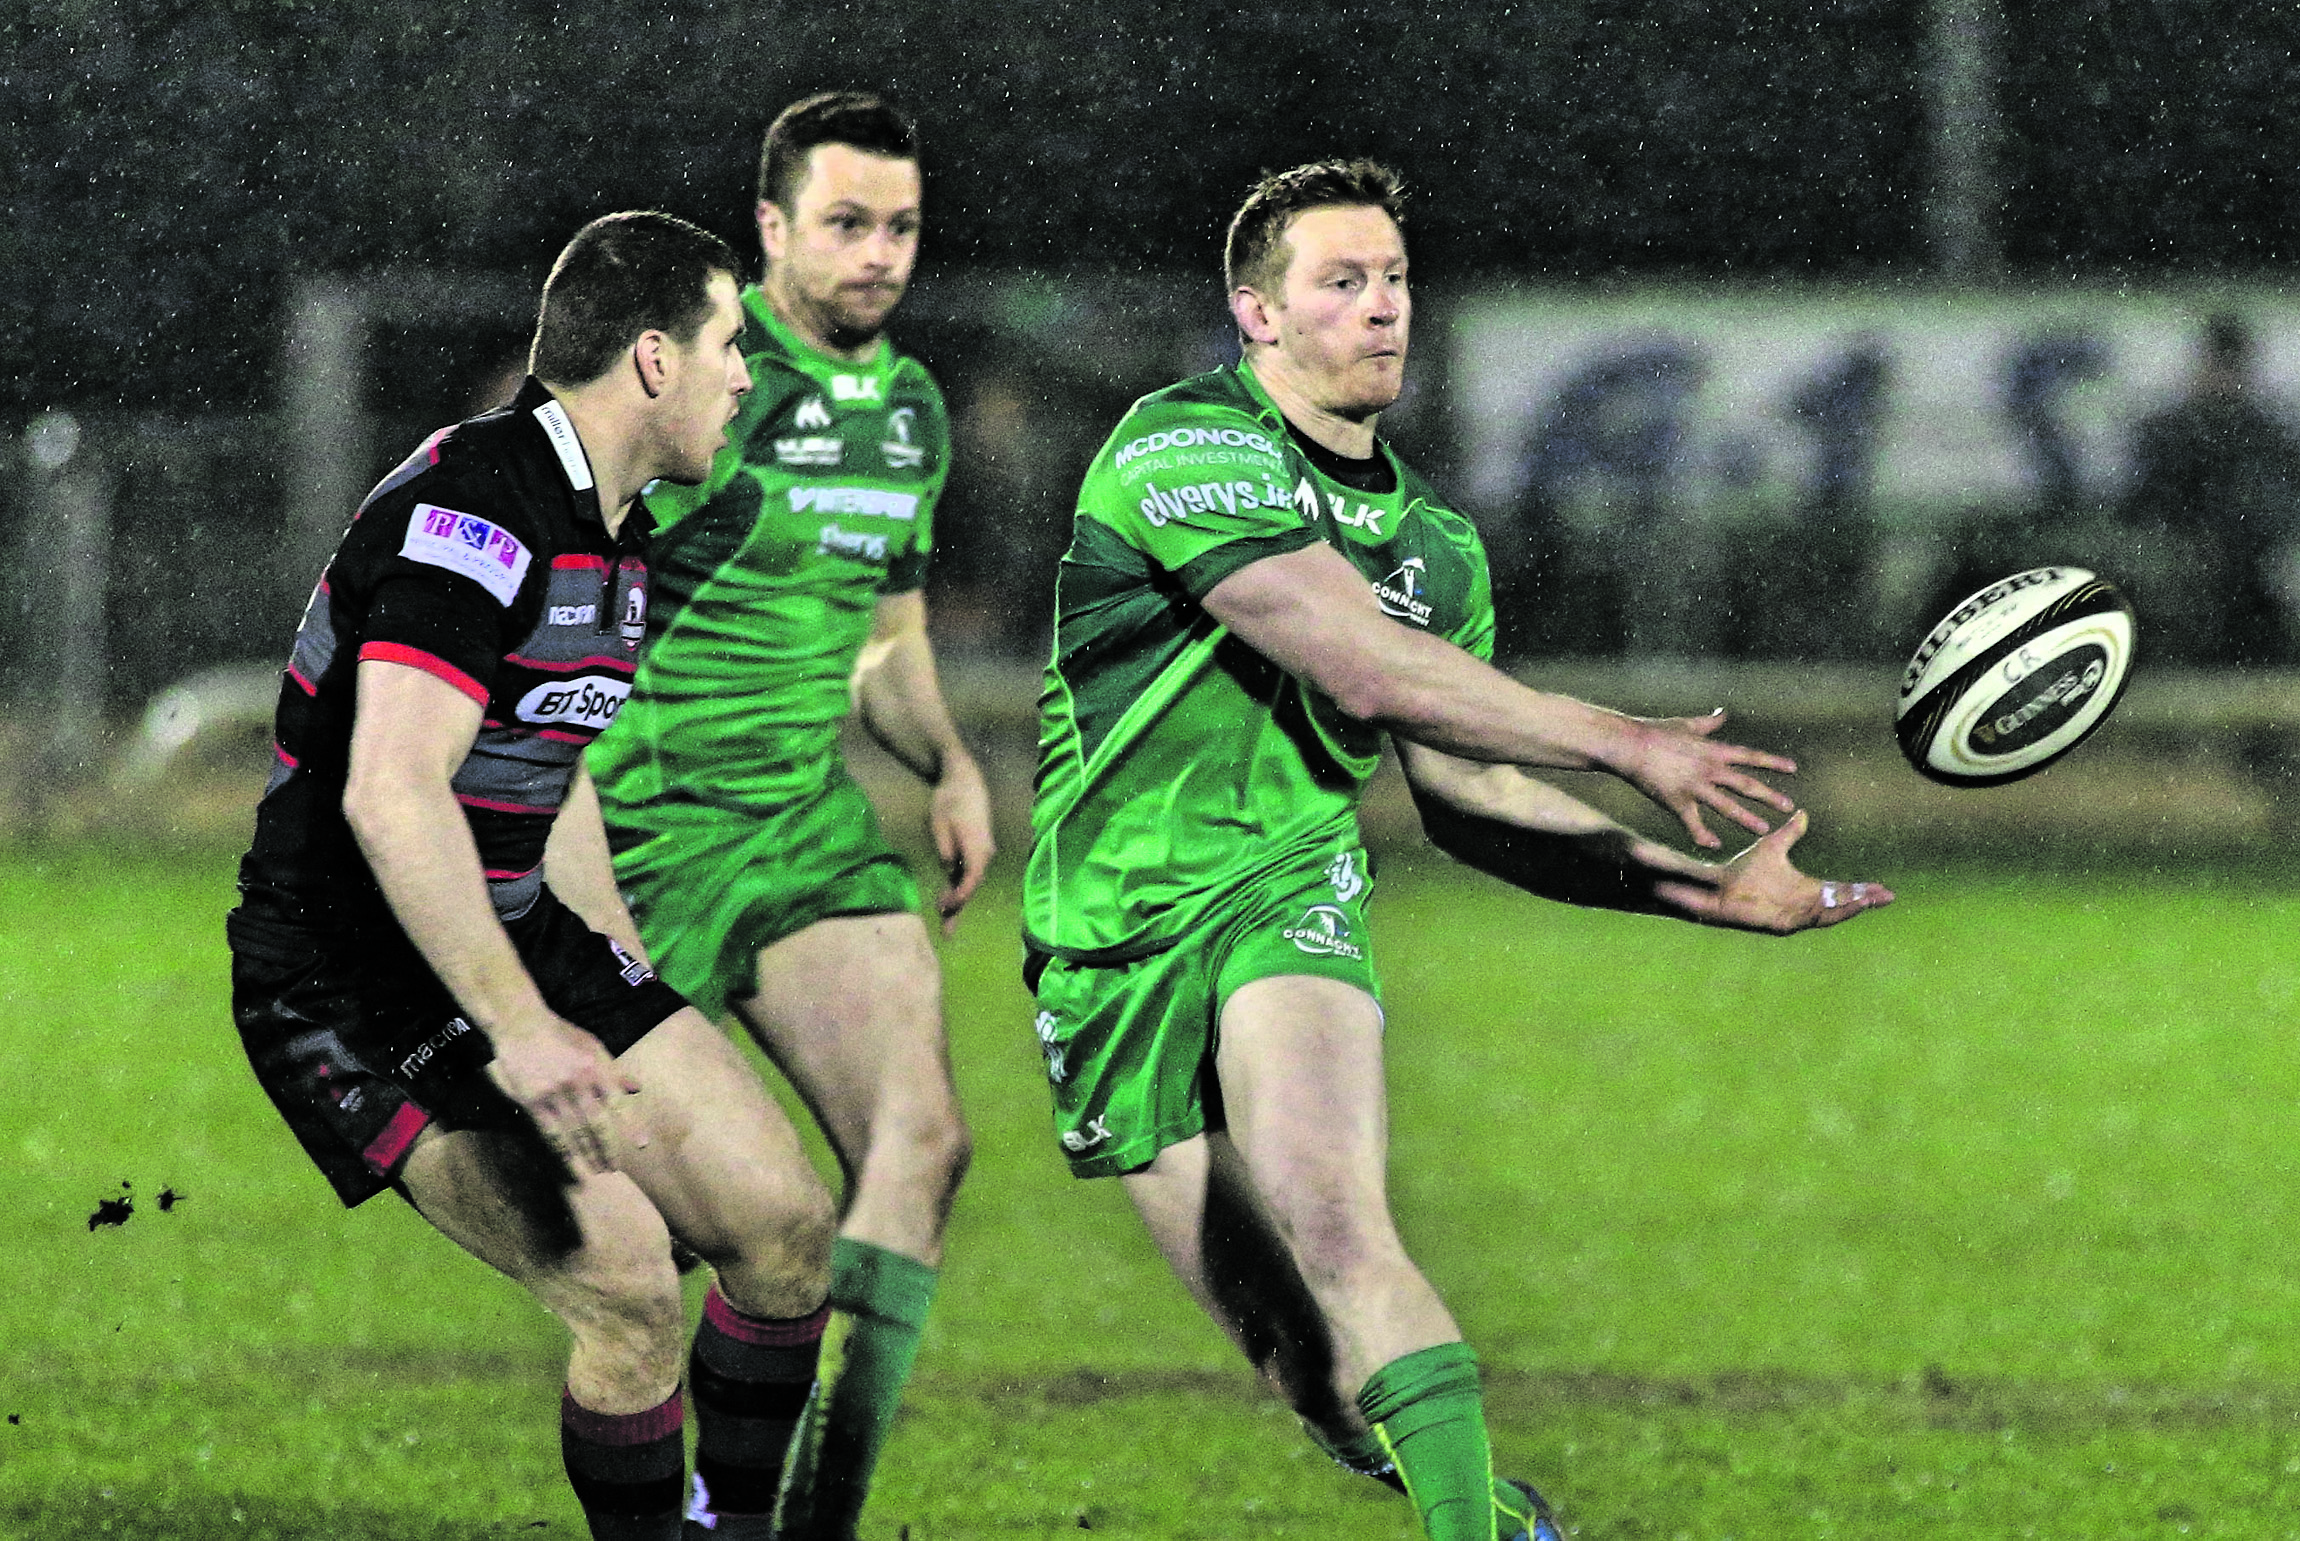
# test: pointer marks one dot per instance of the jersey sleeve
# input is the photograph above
(907, 571)
(447, 582)
(1201, 490)
(1475, 633)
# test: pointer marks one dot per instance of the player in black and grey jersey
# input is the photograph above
(432, 974)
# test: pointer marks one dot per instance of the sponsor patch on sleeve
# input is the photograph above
(470, 546)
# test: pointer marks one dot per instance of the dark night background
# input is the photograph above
(170, 162)
(172, 166)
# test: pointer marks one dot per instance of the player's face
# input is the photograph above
(704, 383)
(1344, 309)
(840, 257)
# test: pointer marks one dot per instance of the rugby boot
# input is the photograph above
(1519, 1513)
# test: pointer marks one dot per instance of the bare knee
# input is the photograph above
(1335, 1246)
(770, 1244)
(629, 1325)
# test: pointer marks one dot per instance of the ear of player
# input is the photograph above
(2015, 677)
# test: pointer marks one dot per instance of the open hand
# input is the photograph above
(1682, 768)
(1761, 890)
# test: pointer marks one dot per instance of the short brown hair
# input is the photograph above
(1250, 256)
(624, 274)
(862, 119)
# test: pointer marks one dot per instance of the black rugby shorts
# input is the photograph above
(362, 1048)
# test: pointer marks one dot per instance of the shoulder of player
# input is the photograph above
(479, 493)
(1203, 415)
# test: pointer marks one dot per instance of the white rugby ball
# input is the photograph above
(2016, 677)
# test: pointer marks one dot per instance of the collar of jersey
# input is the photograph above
(1282, 426)
(802, 354)
(533, 393)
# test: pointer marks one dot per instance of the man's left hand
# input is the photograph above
(1762, 890)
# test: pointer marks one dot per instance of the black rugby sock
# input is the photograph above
(626, 1468)
(749, 1376)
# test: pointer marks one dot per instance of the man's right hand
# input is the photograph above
(564, 1079)
(1674, 761)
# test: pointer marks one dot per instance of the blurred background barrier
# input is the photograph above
(2193, 764)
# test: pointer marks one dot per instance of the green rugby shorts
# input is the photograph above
(1130, 1046)
(711, 884)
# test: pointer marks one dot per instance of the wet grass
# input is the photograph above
(1971, 1220)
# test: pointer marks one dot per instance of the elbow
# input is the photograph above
(361, 808)
(1362, 692)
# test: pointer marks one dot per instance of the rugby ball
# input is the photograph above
(2015, 677)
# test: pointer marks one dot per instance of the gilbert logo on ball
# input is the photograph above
(2016, 677)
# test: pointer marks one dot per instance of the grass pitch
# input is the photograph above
(1970, 1220)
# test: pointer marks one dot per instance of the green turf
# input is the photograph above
(1971, 1220)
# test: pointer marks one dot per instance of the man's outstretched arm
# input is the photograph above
(899, 695)
(1526, 832)
(1313, 614)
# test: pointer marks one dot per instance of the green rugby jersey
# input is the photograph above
(765, 577)
(1176, 765)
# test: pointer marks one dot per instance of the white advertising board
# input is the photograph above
(1979, 399)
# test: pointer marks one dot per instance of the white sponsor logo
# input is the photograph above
(812, 414)
(634, 615)
(1096, 1133)
(1324, 932)
(564, 439)
(814, 450)
(1365, 517)
(1160, 506)
(1401, 592)
(487, 554)
(571, 615)
(425, 1051)
(1342, 872)
(588, 701)
(854, 388)
(635, 970)
(835, 541)
(1190, 438)
(854, 500)
(900, 452)
(1046, 1026)
(1306, 501)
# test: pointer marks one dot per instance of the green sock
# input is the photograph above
(878, 1306)
(1360, 1453)
(1426, 1411)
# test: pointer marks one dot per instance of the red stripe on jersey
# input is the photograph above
(416, 658)
(496, 807)
(497, 875)
(286, 759)
(297, 675)
(385, 1150)
(562, 736)
(622, 665)
(578, 561)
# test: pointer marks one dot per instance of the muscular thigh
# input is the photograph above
(721, 1163)
(850, 1008)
